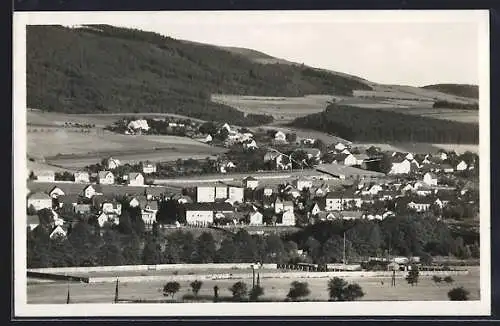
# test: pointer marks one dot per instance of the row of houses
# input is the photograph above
(102, 177)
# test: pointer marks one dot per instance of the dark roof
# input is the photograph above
(249, 178)
(214, 207)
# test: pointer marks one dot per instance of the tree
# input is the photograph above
(239, 290)
(298, 290)
(291, 137)
(437, 279)
(412, 277)
(256, 292)
(458, 294)
(171, 288)
(340, 290)
(205, 249)
(448, 279)
(196, 286)
(151, 254)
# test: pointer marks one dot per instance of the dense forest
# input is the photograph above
(100, 68)
(471, 91)
(361, 124)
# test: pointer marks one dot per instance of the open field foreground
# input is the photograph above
(375, 288)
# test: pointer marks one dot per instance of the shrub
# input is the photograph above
(412, 277)
(239, 290)
(448, 279)
(340, 290)
(437, 279)
(298, 289)
(171, 288)
(196, 286)
(256, 292)
(458, 294)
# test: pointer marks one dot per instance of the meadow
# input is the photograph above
(275, 289)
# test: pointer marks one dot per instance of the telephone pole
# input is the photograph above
(344, 251)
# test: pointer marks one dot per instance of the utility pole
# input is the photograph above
(116, 291)
(253, 276)
(344, 251)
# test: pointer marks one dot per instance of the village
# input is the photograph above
(298, 182)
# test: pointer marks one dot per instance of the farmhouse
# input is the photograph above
(112, 163)
(135, 179)
(401, 166)
(462, 166)
(106, 178)
(45, 176)
(430, 179)
(39, 200)
(250, 182)
(55, 192)
(81, 177)
(148, 168)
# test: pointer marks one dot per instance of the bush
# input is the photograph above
(340, 290)
(298, 289)
(239, 290)
(448, 279)
(196, 286)
(412, 277)
(437, 279)
(256, 292)
(171, 288)
(458, 294)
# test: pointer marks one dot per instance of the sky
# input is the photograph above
(414, 52)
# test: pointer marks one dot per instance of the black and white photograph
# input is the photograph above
(251, 163)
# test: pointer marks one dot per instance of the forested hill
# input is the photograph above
(109, 69)
(363, 124)
(471, 91)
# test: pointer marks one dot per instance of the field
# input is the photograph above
(274, 289)
(71, 149)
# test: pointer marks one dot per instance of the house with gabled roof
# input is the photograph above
(430, 179)
(106, 177)
(400, 166)
(135, 179)
(90, 191)
(45, 176)
(81, 177)
(462, 166)
(250, 182)
(58, 232)
(55, 192)
(38, 201)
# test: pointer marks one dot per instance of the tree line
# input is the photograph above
(361, 124)
(70, 70)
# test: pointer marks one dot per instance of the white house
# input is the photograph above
(350, 160)
(45, 176)
(430, 179)
(315, 209)
(89, 191)
(58, 232)
(268, 191)
(106, 178)
(462, 166)
(199, 214)
(221, 192)
(340, 147)
(39, 200)
(148, 168)
(400, 167)
(205, 194)
(409, 157)
(138, 126)
(56, 192)
(419, 206)
(81, 177)
(302, 183)
(280, 136)
(135, 179)
(112, 163)
(250, 182)
(288, 219)
(235, 194)
(250, 144)
(256, 218)
(333, 201)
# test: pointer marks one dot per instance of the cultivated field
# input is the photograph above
(283, 109)
(274, 289)
(72, 149)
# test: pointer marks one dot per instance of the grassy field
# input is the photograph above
(283, 109)
(274, 289)
(67, 148)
